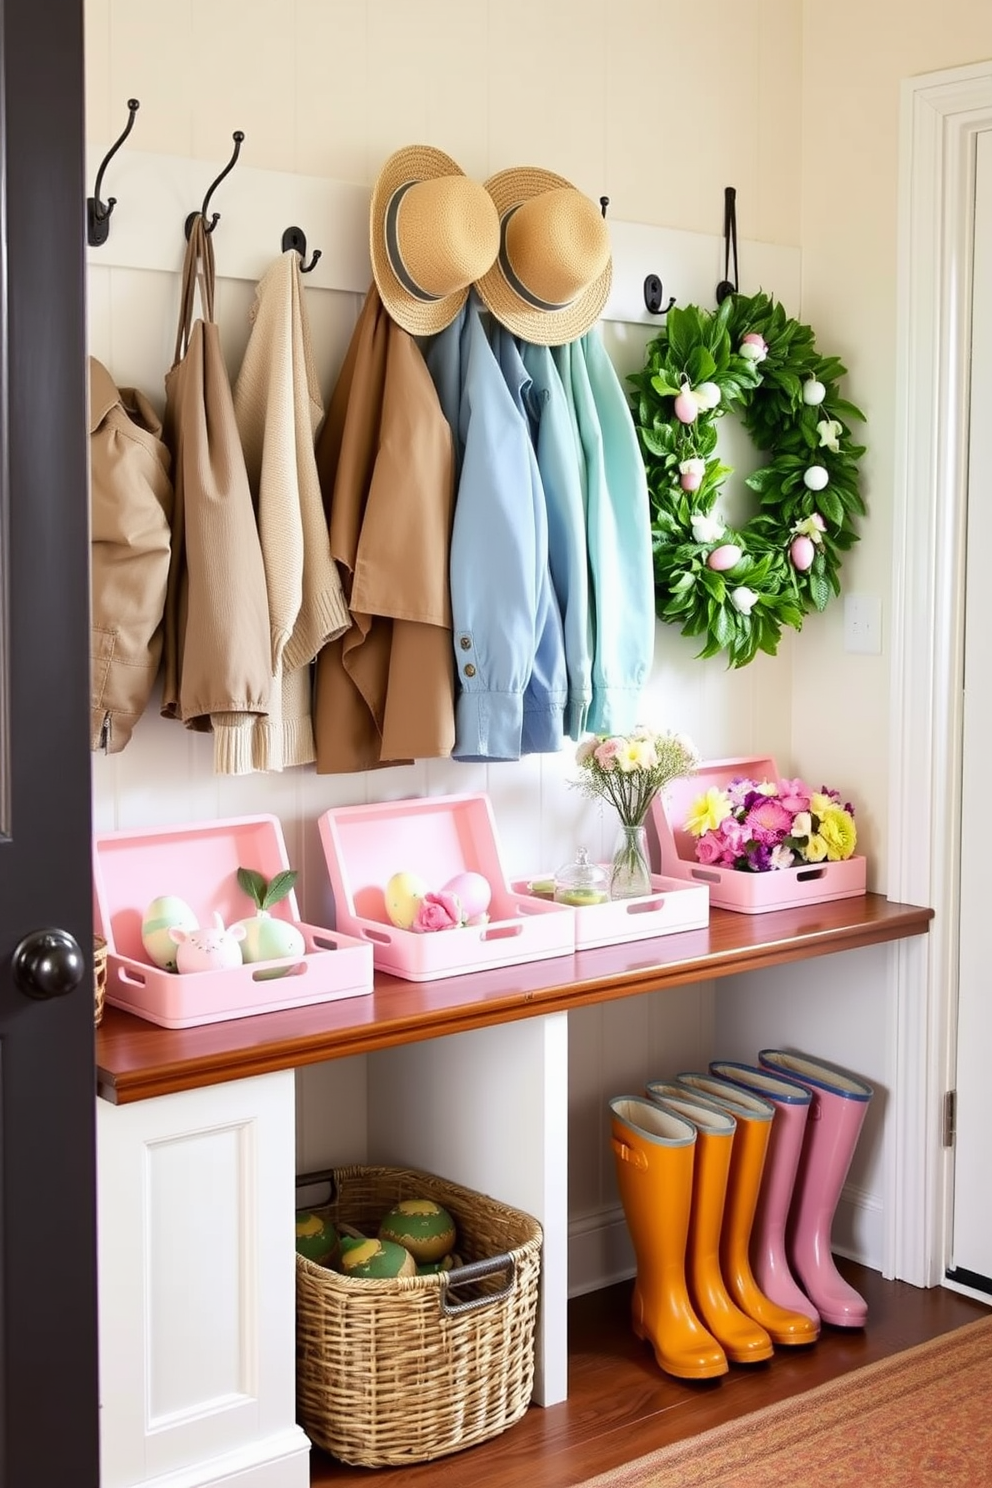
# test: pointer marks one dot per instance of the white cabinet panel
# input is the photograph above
(197, 1287)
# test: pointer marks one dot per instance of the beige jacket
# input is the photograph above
(130, 511)
(217, 653)
(278, 406)
(385, 691)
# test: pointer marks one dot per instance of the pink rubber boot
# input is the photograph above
(768, 1254)
(837, 1113)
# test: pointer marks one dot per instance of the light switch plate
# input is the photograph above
(863, 624)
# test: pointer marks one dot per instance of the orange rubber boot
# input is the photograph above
(742, 1339)
(754, 1118)
(654, 1159)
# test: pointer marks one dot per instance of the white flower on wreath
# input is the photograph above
(812, 527)
(743, 600)
(706, 529)
(830, 431)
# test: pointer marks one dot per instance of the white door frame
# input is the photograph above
(942, 113)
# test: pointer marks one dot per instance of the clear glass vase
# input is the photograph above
(630, 870)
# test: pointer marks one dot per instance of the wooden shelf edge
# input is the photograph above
(137, 1060)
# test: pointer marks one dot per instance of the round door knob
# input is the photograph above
(48, 963)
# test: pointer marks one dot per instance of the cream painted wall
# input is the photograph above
(854, 56)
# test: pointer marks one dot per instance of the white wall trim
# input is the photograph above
(156, 192)
(941, 115)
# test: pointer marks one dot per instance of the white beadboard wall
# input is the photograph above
(165, 774)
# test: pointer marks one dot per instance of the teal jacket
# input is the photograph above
(568, 556)
(618, 533)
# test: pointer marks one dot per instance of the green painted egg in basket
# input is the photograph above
(449, 1262)
(316, 1237)
(360, 1256)
(421, 1225)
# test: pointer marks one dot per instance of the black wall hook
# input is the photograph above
(728, 286)
(604, 202)
(98, 212)
(238, 138)
(654, 293)
(295, 237)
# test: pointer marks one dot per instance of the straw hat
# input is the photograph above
(554, 270)
(432, 232)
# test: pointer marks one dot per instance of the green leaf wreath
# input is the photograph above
(739, 586)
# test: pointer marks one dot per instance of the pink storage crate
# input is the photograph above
(199, 864)
(672, 906)
(748, 893)
(434, 837)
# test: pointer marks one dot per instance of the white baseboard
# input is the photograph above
(281, 1461)
(600, 1253)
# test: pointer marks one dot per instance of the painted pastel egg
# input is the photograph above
(167, 912)
(473, 892)
(813, 392)
(267, 938)
(316, 1237)
(815, 478)
(724, 557)
(686, 408)
(359, 1256)
(403, 894)
(707, 394)
(690, 481)
(802, 553)
(421, 1226)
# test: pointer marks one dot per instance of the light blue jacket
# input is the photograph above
(547, 687)
(496, 561)
(568, 556)
(618, 531)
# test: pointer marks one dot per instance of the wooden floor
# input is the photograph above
(621, 1406)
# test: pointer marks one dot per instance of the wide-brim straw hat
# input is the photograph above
(554, 269)
(432, 232)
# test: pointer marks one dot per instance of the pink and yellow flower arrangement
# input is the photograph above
(759, 826)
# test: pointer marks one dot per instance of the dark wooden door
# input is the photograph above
(48, 1336)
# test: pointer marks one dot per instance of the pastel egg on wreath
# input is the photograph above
(472, 891)
(691, 474)
(707, 395)
(754, 347)
(815, 478)
(727, 555)
(167, 912)
(403, 894)
(686, 408)
(813, 392)
(802, 553)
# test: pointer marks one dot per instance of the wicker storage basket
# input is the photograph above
(99, 977)
(399, 1371)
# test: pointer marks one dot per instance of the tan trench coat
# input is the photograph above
(385, 690)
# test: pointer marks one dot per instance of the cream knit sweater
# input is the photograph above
(278, 407)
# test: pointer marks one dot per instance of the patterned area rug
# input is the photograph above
(918, 1419)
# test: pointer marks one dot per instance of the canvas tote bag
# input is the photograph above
(218, 666)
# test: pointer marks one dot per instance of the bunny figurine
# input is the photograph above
(203, 949)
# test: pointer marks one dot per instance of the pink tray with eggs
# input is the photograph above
(747, 893)
(199, 863)
(434, 838)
